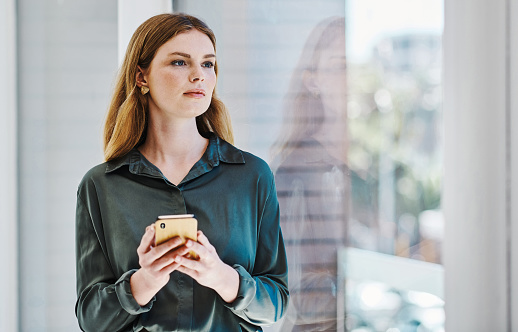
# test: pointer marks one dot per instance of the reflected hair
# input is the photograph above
(127, 119)
(303, 111)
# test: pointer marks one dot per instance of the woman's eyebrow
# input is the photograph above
(185, 55)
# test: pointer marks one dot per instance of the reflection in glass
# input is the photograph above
(313, 178)
(357, 164)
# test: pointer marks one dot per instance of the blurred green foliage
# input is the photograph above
(395, 128)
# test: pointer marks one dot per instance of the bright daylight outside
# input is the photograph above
(392, 267)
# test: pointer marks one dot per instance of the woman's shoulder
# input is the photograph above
(231, 154)
(256, 162)
(94, 174)
(101, 171)
(257, 167)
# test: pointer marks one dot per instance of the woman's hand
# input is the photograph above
(156, 265)
(209, 270)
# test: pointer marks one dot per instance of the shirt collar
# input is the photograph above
(217, 150)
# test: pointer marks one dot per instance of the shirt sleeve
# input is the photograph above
(104, 301)
(263, 294)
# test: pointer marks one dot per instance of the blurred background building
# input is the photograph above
(389, 125)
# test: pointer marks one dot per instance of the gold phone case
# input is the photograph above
(185, 226)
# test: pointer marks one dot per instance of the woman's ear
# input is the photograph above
(141, 77)
(308, 79)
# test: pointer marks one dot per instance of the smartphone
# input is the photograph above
(183, 225)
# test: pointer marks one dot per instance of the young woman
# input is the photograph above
(319, 195)
(168, 151)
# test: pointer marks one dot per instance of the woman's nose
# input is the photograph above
(197, 75)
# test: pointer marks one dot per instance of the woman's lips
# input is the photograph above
(195, 93)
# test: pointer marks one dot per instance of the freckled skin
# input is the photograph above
(170, 76)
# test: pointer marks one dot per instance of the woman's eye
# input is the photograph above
(208, 64)
(178, 63)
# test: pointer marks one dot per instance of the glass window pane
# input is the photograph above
(395, 148)
(343, 99)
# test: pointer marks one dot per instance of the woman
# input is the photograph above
(314, 181)
(167, 152)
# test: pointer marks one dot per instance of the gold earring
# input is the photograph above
(144, 89)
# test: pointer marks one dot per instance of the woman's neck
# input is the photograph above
(173, 147)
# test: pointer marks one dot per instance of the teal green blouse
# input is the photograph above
(231, 193)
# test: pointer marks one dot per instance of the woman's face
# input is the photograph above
(330, 77)
(181, 77)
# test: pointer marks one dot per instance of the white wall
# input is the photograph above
(67, 63)
(8, 170)
(477, 191)
(512, 122)
(132, 13)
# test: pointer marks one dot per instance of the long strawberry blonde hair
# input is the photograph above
(126, 122)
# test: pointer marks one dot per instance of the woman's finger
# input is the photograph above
(198, 248)
(170, 257)
(170, 268)
(190, 272)
(147, 240)
(188, 262)
(162, 249)
(161, 263)
(205, 241)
